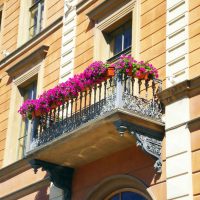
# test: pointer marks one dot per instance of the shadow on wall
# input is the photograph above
(42, 194)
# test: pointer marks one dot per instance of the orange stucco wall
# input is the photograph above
(194, 37)
(132, 161)
(152, 36)
(10, 26)
(20, 181)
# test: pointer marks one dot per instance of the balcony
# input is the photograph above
(91, 122)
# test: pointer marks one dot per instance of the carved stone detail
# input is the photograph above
(144, 140)
(151, 146)
(59, 175)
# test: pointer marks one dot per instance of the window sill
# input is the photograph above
(116, 57)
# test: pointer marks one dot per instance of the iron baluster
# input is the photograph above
(100, 102)
(132, 84)
(63, 107)
(139, 85)
(54, 115)
(105, 88)
(80, 108)
(58, 113)
(146, 88)
(94, 105)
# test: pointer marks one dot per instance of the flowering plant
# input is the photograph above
(141, 69)
(27, 108)
(125, 65)
(94, 74)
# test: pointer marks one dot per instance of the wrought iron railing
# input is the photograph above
(133, 95)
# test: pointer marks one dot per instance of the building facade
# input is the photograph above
(120, 139)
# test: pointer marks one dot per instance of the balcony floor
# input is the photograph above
(94, 140)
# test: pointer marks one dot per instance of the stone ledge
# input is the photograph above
(31, 43)
(187, 88)
(194, 124)
(14, 169)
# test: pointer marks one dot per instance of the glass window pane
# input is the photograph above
(29, 93)
(41, 16)
(118, 44)
(116, 197)
(34, 1)
(132, 196)
(36, 17)
(127, 38)
(33, 21)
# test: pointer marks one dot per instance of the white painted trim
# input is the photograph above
(68, 41)
(14, 122)
(177, 46)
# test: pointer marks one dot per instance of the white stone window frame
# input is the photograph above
(14, 119)
(133, 8)
(24, 21)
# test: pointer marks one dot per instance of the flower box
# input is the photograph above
(36, 113)
(143, 76)
(110, 72)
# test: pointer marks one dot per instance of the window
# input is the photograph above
(121, 39)
(125, 195)
(36, 17)
(117, 31)
(28, 92)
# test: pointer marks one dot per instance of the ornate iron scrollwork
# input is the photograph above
(143, 107)
(151, 146)
(59, 175)
(144, 140)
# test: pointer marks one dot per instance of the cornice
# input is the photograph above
(194, 124)
(104, 7)
(14, 169)
(84, 4)
(187, 88)
(27, 190)
(38, 54)
(31, 43)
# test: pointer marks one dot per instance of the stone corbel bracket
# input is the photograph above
(60, 176)
(145, 139)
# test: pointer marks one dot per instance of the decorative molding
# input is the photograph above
(151, 146)
(122, 9)
(150, 141)
(187, 88)
(82, 5)
(60, 176)
(194, 124)
(37, 55)
(112, 183)
(31, 43)
(26, 190)
(13, 169)
(27, 75)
